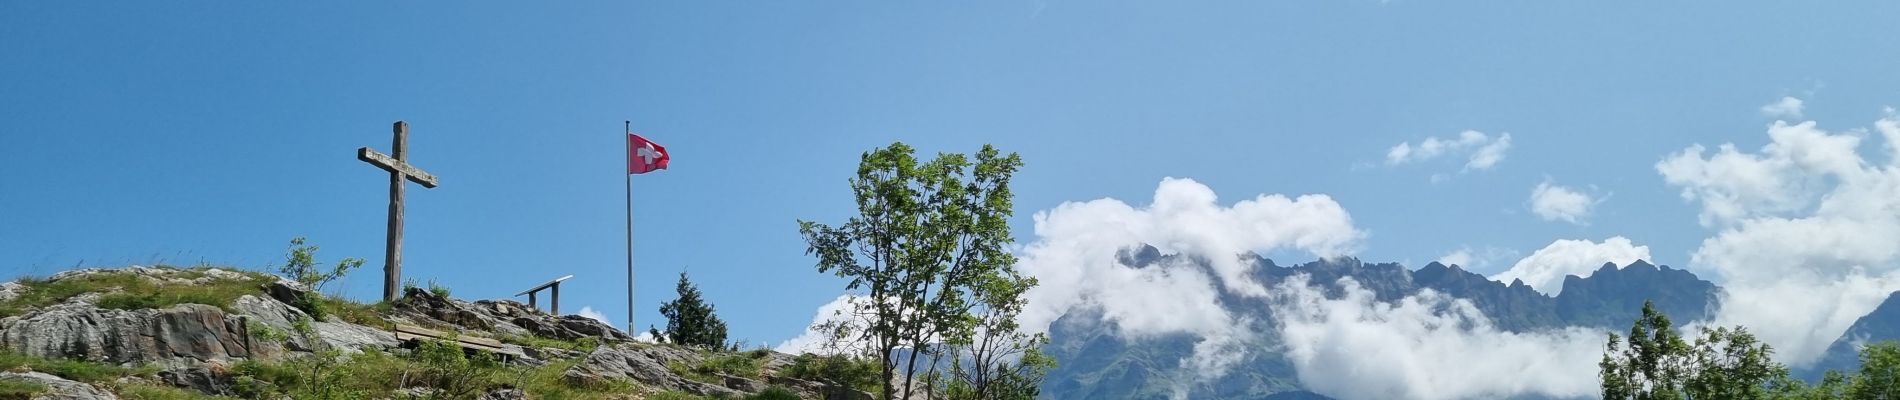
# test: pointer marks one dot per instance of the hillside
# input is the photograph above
(186, 333)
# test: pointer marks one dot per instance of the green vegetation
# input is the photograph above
(771, 393)
(11, 389)
(300, 265)
(128, 291)
(1729, 363)
(710, 369)
(438, 289)
(441, 366)
(153, 391)
(845, 370)
(690, 321)
(349, 311)
(82, 371)
(583, 345)
(930, 246)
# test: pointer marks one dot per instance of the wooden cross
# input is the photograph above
(399, 169)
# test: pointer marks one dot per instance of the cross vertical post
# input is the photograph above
(399, 170)
(392, 249)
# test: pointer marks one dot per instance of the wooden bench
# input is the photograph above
(412, 333)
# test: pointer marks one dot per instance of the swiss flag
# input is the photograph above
(644, 156)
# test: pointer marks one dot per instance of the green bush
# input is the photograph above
(300, 265)
(854, 372)
(742, 365)
(775, 393)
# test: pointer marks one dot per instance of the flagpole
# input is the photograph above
(627, 151)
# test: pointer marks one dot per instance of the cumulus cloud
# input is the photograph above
(1460, 257)
(1476, 259)
(591, 313)
(1483, 151)
(817, 339)
(1074, 257)
(1803, 231)
(1545, 269)
(1554, 202)
(1425, 346)
(1787, 107)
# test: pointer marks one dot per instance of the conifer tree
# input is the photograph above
(690, 320)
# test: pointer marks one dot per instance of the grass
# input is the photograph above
(583, 345)
(771, 393)
(376, 374)
(147, 391)
(82, 371)
(370, 315)
(128, 291)
(11, 389)
(746, 365)
(855, 372)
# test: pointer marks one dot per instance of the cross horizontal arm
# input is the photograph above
(393, 165)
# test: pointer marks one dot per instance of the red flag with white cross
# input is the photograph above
(644, 156)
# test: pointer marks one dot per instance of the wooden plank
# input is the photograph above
(393, 165)
(410, 332)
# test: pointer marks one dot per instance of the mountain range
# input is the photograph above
(1096, 362)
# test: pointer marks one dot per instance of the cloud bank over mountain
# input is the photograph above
(1430, 345)
(1545, 269)
(1074, 257)
(1425, 346)
(1803, 230)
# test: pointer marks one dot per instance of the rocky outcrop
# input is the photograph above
(58, 388)
(501, 316)
(346, 337)
(78, 330)
(646, 364)
(650, 366)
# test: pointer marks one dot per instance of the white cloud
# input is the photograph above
(591, 313)
(1554, 202)
(1545, 269)
(1074, 257)
(1787, 107)
(1425, 346)
(1490, 154)
(847, 309)
(1785, 176)
(1460, 257)
(1476, 259)
(645, 337)
(1484, 150)
(1803, 232)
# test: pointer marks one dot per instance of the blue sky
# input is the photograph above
(147, 132)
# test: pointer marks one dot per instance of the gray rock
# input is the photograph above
(11, 290)
(287, 291)
(744, 384)
(646, 364)
(209, 378)
(58, 388)
(503, 317)
(353, 338)
(78, 330)
(346, 337)
(505, 394)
